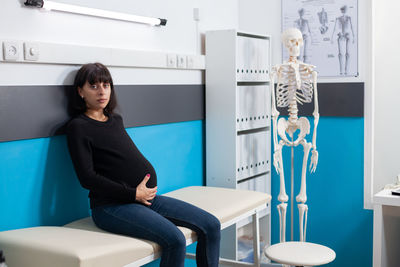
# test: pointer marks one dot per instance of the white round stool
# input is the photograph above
(300, 253)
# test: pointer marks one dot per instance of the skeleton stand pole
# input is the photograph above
(291, 192)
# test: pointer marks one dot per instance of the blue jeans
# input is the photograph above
(158, 223)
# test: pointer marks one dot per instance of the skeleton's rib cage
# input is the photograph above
(294, 84)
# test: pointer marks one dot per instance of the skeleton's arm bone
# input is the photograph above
(314, 156)
(274, 111)
(351, 27)
(316, 111)
(309, 30)
(334, 29)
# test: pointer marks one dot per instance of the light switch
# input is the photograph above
(171, 60)
(190, 62)
(181, 62)
(31, 51)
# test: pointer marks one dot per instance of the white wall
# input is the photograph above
(386, 124)
(181, 35)
(265, 17)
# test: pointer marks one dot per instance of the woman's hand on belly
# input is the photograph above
(143, 193)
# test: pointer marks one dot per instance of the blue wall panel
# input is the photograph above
(38, 185)
(336, 217)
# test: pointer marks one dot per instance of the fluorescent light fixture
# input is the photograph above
(51, 5)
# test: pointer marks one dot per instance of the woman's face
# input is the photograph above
(96, 95)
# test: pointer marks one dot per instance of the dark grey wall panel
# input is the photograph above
(41, 111)
(31, 111)
(336, 100)
(155, 104)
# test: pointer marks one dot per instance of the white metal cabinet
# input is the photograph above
(238, 123)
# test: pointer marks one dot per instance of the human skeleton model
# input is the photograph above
(296, 83)
(323, 19)
(302, 25)
(345, 27)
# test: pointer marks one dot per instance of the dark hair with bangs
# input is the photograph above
(92, 73)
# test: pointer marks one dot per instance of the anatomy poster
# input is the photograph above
(329, 29)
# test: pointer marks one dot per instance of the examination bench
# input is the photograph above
(82, 244)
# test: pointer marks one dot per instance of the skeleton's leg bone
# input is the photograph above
(305, 49)
(282, 197)
(305, 223)
(302, 196)
(300, 57)
(340, 55)
(347, 56)
(282, 221)
(303, 210)
(341, 63)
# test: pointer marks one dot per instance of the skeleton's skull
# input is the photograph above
(292, 39)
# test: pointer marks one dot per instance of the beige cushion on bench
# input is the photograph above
(82, 244)
(223, 203)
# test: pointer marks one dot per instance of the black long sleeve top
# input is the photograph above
(106, 160)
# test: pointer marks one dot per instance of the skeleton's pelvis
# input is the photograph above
(285, 127)
(343, 36)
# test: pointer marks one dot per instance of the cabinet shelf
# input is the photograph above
(254, 130)
(252, 177)
(253, 83)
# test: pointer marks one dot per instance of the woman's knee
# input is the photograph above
(180, 241)
(216, 227)
(212, 227)
(175, 241)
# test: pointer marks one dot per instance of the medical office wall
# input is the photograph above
(38, 185)
(386, 108)
(341, 188)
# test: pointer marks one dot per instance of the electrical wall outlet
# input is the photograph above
(171, 60)
(11, 50)
(31, 51)
(181, 62)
